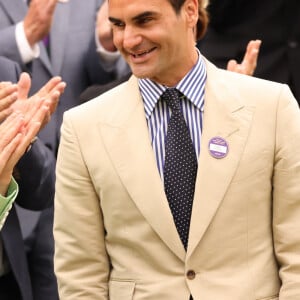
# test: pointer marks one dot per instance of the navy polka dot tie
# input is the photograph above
(180, 168)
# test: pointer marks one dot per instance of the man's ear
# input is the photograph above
(191, 10)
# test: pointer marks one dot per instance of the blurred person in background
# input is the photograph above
(276, 23)
(34, 173)
(17, 130)
(48, 38)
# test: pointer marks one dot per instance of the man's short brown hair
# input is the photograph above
(203, 18)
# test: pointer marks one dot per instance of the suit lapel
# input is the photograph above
(44, 58)
(226, 117)
(136, 165)
(59, 34)
(16, 9)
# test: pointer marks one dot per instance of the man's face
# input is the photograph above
(156, 42)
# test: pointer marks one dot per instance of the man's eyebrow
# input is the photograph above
(113, 20)
(136, 18)
(143, 15)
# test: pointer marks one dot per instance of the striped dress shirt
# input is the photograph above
(158, 113)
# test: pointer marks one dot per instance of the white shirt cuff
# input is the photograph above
(27, 53)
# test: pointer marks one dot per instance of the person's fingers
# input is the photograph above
(53, 101)
(39, 112)
(17, 137)
(4, 84)
(57, 90)
(18, 145)
(7, 152)
(249, 63)
(55, 96)
(24, 84)
(8, 95)
(49, 86)
(7, 89)
(52, 91)
(5, 113)
(232, 65)
(32, 109)
(41, 117)
(252, 47)
(9, 128)
(48, 95)
(251, 56)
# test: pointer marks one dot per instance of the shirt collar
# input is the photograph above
(191, 85)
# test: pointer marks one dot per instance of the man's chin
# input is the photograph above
(140, 75)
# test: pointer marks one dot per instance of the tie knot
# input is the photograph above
(171, 96)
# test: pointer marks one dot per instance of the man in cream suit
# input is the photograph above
(115, 234)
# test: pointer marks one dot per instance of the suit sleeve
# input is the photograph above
(35, 174)
(80, 261)
(8, 45)
(9, 70)
(286, 195)
(40, 257)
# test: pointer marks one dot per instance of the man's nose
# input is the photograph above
(132, 37)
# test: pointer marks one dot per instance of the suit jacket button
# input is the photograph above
(190, 274)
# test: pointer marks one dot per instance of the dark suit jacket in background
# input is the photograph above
(97, 89)
(276, 22)
(35, 176)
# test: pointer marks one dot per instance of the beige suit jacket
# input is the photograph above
(114, 233)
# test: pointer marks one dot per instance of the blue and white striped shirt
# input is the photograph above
(158, 113)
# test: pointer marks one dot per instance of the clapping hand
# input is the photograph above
(26, 117)
(49, 93)
(15, 136)
(8, 95)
